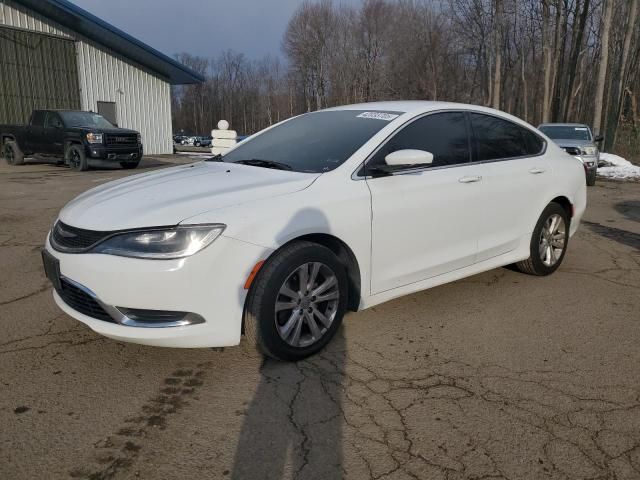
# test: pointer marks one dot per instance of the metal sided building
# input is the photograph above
(54, 54)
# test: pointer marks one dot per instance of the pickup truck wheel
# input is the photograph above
(130, 165)
(12, 153)
(76, 158)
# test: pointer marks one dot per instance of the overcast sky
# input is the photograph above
(201, 27)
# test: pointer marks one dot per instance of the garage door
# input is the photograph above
(36, 71)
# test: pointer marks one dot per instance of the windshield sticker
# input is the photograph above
(582, 128)
(387, 117)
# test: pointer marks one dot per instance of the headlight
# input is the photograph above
(589, 150)
(94, 137)
(139, 139)
(162, 244)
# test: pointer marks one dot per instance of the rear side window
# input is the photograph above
(37, 120)
(497, 138)
(445, 135)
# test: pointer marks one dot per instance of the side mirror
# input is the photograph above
(115, 125)
(408, 158)
(598, 139)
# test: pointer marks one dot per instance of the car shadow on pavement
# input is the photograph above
(630, 209)
(293, 425)
(624, 237)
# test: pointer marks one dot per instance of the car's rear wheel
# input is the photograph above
(12, 153)
(548, 242)
(76, 159)
(296, 302)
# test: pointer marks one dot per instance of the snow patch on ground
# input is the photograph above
(617, 167)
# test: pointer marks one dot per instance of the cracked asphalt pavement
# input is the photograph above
(501, 375)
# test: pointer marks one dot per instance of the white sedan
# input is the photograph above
(335, 210)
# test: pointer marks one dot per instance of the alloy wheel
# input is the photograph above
(552, 240)
(74, 159)
(306, 304)
(8, 154)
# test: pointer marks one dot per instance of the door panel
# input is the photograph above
(108, 111)
(516, 175)
(424, 224)
(53, 140)
(514, 189)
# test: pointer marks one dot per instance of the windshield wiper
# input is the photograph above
(215, 158)
(256, 162)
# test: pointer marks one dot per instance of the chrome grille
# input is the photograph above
(66, 238)
(122, 139)
(82, 302)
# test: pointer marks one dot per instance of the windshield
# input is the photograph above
(567, 132)
(314, 142)
(85, 119)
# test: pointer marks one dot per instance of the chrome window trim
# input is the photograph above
(355, 176)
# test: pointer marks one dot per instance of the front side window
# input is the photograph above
(314, 142)
(38, 118)
(53, 121)
(497, 138)
(445, 135)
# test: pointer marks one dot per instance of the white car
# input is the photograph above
(330, 211)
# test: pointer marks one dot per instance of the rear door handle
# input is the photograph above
(470, 179)
(536, 170)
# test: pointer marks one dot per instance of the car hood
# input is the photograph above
(113, 131)
(169, 196)
(562, 142)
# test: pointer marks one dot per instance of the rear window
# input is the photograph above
(497, 138)
(314, 142)
(37, 120)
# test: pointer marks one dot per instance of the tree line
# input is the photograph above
(542, 60)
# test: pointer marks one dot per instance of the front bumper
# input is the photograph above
(590, 162)
(117, 154)
(208, 285)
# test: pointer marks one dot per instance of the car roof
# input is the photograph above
(413, 106)
(416, 107)
(563, 125)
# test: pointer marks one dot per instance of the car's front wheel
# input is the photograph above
(76, 158)
(591, 178)
(296, 302)
(548, 242)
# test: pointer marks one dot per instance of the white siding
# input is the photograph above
(14, 15)
(142, 99)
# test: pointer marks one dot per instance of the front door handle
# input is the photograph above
(537, 170)
(470, 179)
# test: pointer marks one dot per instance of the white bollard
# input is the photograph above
(223, 139)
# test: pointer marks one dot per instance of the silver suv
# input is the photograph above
(577, 140)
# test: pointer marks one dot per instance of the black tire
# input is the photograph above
(76, 159)
(591, 178)
(12, 153)
(535, 265)
(260, 316)
(130, 165)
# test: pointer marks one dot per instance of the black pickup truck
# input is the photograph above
(73, 137)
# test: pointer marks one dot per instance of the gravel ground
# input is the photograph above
(501, 375)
